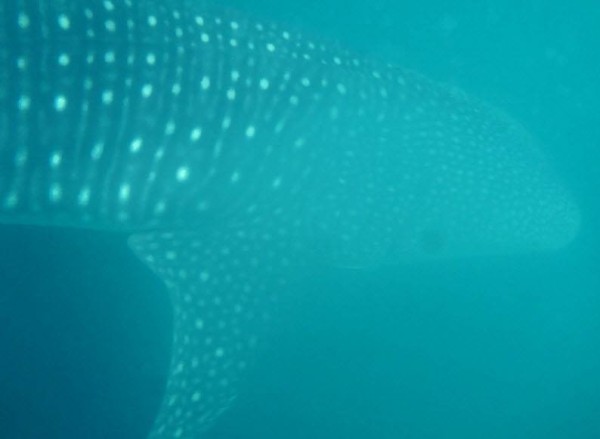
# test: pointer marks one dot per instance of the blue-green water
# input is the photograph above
(499, 348)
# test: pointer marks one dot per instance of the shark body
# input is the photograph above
(233, 152)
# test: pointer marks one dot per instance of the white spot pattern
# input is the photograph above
(157, 118)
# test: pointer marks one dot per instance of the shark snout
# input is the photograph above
(559, 221)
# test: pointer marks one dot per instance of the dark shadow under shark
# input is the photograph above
(234, 153)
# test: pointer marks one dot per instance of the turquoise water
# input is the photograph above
(498, 348)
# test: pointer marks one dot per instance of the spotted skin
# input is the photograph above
(235, 152)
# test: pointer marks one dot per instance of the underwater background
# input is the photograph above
(495, 347)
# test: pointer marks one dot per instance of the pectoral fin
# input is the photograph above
(222, 286)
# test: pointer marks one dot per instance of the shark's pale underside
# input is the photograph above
(233, 152)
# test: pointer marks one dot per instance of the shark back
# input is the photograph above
(166, 116)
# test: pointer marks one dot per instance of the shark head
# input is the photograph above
(231, 150)
(450, 177)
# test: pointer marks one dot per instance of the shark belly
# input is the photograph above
(234, 151)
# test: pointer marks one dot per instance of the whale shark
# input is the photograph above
(232, 153)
